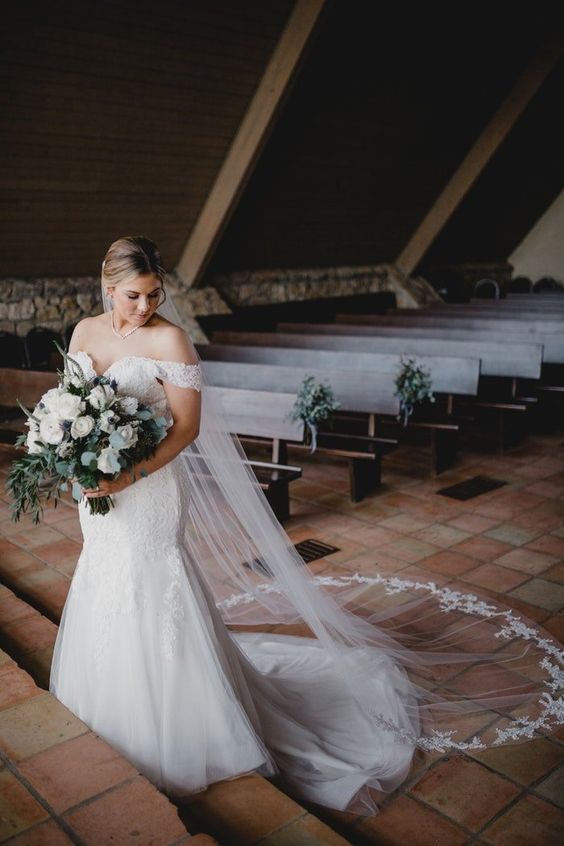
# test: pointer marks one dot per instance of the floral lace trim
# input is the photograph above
(181, 375)
(451, 600)
(174, 609)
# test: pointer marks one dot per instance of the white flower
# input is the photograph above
(68, 406)
(50, 429)
(82, 426)
(34, 445)
(40, 411)
(50, 398)
(129, 404)
(101, 396)
(106, 418)
(107, 460)
(74, 380)
(64, 449)
(129, 435)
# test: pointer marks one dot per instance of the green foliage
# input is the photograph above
(33, 478)
(38, 476)
(413, 386)
(314, 403)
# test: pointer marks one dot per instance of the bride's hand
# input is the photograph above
(107, 487)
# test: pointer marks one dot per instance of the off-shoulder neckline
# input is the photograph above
(126, 357)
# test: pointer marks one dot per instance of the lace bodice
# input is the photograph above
(145, 520)
(137, 376)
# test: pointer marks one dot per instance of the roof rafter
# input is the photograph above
(249, 141)
(488, 142)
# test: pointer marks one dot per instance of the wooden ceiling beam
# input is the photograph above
(249, 141)
(480, 154)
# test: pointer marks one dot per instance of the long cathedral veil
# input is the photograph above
(470, 673)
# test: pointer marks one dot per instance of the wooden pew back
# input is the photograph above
(552, 343)
(259, 413)
(497, 358)
(26, 385)
(363, 378)
(422, 317)
(355, 390)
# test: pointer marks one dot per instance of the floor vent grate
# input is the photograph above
(309, 550)
(472, 487)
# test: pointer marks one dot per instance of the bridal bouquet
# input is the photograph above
(80, 432)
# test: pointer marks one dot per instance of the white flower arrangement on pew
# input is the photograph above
(81, 431)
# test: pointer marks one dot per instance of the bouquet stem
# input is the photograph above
(100, 504)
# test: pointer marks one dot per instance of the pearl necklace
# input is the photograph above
(131, 331)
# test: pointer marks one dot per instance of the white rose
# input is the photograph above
(106, 424)
(40, 411)
(107, 460)
(34, 446)
(50, 429)
(129, 435)
(101, 396)
(68, 406)
(82, 426)
(129, 404)
(50, 399)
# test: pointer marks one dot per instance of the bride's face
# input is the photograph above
(137, 299)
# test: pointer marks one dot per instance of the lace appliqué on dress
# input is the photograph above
(149, 507)
(181, 375)
(552, 706)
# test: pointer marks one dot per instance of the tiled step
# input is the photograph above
(27, 636)
(37, 562)
(62, 784)
(241, 811)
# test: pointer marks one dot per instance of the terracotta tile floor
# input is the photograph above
(506, 544)
(61, 784)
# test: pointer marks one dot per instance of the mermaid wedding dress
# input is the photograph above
(144, 656)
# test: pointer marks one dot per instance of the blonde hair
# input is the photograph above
(132, 256)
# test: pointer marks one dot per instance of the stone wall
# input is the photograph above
(59, 302)
(54, 303)
(262, 287)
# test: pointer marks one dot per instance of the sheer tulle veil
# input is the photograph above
(470, 673)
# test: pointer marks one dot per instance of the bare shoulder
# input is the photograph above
(83, 331)
(173, 344)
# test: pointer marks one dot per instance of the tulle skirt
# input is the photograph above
(144, 657)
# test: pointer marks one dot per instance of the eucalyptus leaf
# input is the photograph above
(116, 440)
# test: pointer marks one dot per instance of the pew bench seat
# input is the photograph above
(363, 452)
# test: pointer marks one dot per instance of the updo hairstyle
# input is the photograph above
(132, 256)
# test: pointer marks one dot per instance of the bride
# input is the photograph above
(194, 640)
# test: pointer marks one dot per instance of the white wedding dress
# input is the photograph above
(143, 655)
(144, 658)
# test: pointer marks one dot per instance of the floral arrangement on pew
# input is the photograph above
(81, 431)
(413, 386)
(314, 403)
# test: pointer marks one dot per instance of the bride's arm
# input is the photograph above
(185, 407)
